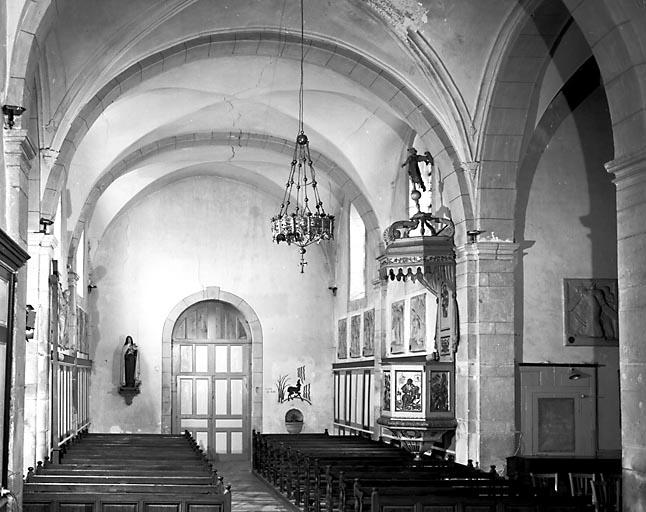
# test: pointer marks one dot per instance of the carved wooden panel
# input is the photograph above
(556, 427)
(342, 341)
(75, 507)
(397, 327)
(118, 507)
(418, 323)
(355, 335)
(204, 508)
(439, 391)
(369, 332)
(161, 507)
(387, 396)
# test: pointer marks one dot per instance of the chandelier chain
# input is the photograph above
(300, 89)
(300, 225)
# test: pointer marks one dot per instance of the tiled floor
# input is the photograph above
(248, 492)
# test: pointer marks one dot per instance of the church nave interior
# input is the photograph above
(468, 283)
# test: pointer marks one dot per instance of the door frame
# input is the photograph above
(256, 353)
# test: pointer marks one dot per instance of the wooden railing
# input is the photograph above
(70, 399)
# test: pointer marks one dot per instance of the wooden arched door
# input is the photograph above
(211, 343)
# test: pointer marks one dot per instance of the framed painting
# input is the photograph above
(408, 397)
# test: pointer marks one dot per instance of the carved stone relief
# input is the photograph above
(591, 307)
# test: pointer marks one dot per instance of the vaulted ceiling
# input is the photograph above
(135, 94)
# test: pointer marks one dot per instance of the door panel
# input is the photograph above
(559, 415)
(211, 365)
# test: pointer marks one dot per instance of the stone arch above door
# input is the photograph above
(213, 293)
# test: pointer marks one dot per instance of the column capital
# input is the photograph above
(487, 250)
(628, 169)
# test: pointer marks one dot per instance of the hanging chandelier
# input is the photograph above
(299, 222)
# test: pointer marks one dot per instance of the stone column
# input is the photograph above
(630, 179)
(380, 294)
(30, 407)
(41, 247)
(485, 361)
(18, 153)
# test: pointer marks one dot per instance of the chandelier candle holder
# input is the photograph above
(297, 221)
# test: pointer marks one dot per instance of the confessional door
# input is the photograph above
(559, 412)
(211, 370)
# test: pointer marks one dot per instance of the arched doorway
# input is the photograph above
(254, 344)
(211, 371)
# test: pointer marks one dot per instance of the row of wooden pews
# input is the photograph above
(127, 473)
(324, 473)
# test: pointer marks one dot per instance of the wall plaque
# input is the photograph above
(591, 307)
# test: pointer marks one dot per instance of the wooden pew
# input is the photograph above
(450, 499)
(138, 473)
(336, 473)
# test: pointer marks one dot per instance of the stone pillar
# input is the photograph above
(485, 361)
(41, 247)
(18, 153)
(380, 293)
(630, 179)
(30, 407)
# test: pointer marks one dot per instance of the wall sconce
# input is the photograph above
(44, 224)
(90, 287)
(574, 374)
(332, 289)
(473, 235)
(11, 112)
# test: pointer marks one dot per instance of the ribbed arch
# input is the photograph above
(345, 61)
(138, 155)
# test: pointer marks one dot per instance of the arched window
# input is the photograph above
(357, 255)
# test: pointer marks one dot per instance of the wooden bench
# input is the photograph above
(319, 472)
(370, 498)
(139, 473)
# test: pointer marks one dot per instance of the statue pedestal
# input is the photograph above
(129, 392)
